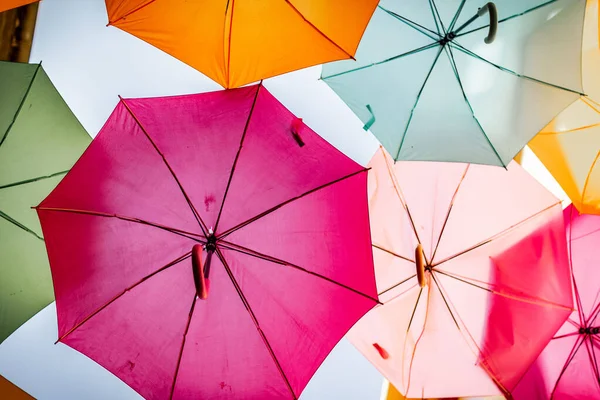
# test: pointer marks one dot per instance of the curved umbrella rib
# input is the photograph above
(417, 102)
(31, 180)
(509, 71)
(572, 273)
(237, 155)
(188, 235)
(18, 224)
(587, 178)
(318, 30)
(265, 257)
(589, 346)
(163, 268)
(508, 18)
(436, 13)
(456, 15)
(187, 199)
(462, 89)
(255, 321)
(3, 138)
(496, 236)
(187, 328)
(418, 27)
(269, 211)
(392, 253)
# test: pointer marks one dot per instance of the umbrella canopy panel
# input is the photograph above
(235, 42)
(429, 87)
(283, 270)
(471, 265)
(40, 139)
(8, 4)
(570, 145)
(568, 367)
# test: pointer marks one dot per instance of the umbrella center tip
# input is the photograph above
(589, 330)
(211, 242)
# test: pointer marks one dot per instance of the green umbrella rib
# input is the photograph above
(20, 225)
(39, 178)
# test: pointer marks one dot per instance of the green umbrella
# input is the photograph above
(40, 139)
(431, 82)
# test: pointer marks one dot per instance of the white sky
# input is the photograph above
(91, 65)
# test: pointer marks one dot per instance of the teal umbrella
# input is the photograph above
(40, 139)
(432, 84)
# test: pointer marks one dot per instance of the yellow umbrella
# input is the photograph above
(8, 391)
(569, 146)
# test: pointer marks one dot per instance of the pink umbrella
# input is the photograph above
(568, 367)
(471, 265)
(209, 246)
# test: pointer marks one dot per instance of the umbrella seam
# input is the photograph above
(255, 321)
(265, 257)
(237, 155)
(392, 253)
(570, 358)
(432, 2)
(115, 298)
(129, 13)
(187, 328)
(417, 102)
(19, 225)
(587, 178)
(273, 209)
(31, 180)
(457, 75)
(412, 24)
(509, 17)
(8, 130)
(319, 31)
(228, 42)
(189, 202)
(456, 15)
(193, 236)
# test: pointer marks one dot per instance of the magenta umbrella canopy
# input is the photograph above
(209, 246)
(568, 367)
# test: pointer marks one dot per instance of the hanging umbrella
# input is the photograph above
(209, 246)
(9, 391)
(8, 4)
(471, 266)
(431, 82)
(568, 366)
(40, 139)
(569, 146)
(235, 42)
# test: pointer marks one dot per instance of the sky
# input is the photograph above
(91, 65)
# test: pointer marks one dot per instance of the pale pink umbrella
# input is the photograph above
(472, 269)
(568, 366)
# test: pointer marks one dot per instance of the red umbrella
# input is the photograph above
(568, 367)
(226, 188)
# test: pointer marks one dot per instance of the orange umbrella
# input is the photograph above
(8, 391)
(8, 4)
(235, 42)
(569, 146)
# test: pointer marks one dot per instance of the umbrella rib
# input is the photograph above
(496, 236)
(18, 224)
(437, 13)
(265, 257)
(319, 31)
(187, 328)
(237, 155)
(9, 128)
(227, 66)
(189, 235)
(587, 178)
(566, 335)
(255, 321)
(462, 89)
(445, 301)
(462, 178)
(187, 199)
(31, 180)
(269, 211)
(129, 13)
(592, 356)
(414, 310)
(408, 53)
(115, 298)
(392, 253)
(413, 24)
(532, 300)
(509, 18)
(570, 358)
(457, 15)
(572, 273)
(417, 102)
(396, 285)
(509, 71)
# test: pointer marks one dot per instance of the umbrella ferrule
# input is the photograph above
(589, 330)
